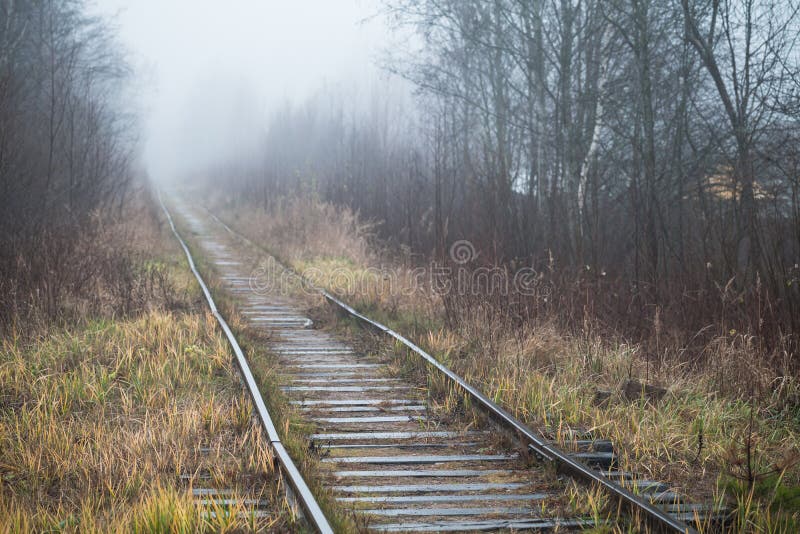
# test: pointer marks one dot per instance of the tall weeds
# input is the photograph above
(104, 266)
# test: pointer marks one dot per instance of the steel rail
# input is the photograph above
(659, 519)
(314, 513)
(536, 443)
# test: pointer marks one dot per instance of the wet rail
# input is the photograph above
(302, 493)
(392, 461)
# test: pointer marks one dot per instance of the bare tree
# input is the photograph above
(64, 148)
(746, 46)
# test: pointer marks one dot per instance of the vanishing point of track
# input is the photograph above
(385, 453)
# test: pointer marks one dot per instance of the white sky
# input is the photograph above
(208, 71)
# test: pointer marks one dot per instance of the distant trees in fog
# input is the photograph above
(654, 140)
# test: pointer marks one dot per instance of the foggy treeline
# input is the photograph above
(64, 149)
(642, 154)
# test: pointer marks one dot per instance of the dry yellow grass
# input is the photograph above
(98, 422)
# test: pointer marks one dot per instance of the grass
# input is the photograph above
(715, 424)
(99, 421)
(109, 417)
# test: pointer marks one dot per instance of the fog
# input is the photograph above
(206, 76)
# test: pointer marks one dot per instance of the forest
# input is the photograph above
(66, 160)
(642, 157)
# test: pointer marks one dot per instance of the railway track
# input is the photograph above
(386, 454)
